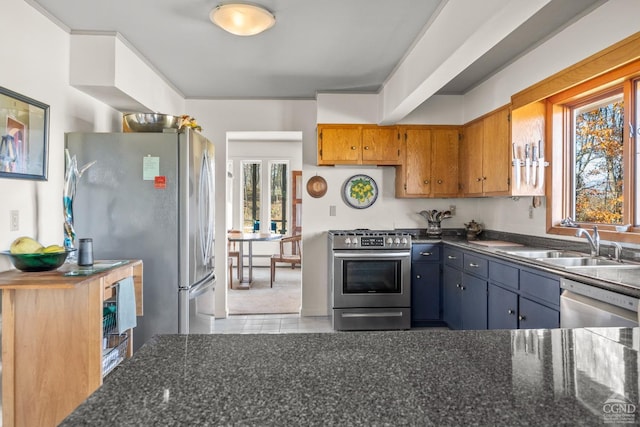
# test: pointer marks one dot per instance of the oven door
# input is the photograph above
(377, 278)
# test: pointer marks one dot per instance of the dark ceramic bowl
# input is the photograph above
(38, 262)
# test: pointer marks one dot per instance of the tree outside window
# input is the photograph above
(598, 160)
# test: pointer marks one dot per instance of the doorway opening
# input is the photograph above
(263, 197)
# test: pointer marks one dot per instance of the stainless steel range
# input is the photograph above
(370, 274)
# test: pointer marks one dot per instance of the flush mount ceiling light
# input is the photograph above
(242, 19)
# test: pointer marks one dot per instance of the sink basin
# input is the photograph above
(544, 253)
(587, 262)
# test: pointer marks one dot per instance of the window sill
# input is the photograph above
(607, 232)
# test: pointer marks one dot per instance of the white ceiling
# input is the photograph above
(315, 46)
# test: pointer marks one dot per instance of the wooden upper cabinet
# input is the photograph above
(444, 164)
(380, 145)
(485, 162)
(339, 144)
(358, 145)
(430, 162)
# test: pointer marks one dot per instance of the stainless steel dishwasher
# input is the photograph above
(584, 306)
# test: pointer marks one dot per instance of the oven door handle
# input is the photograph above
(372, 254)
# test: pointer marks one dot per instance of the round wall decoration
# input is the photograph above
(360, 191)
(316, 186)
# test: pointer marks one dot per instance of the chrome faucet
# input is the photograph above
(617, 251)
(594, 242)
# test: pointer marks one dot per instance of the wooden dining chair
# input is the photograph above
(290, 252)
(232, 249)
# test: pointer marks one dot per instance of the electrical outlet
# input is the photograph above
(452, 209)
(332, 210)
(14, 220)
(530, 212)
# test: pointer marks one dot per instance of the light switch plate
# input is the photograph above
(14, 220)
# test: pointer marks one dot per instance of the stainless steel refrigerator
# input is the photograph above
(150, 196)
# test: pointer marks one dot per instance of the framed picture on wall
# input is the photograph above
(24, 136)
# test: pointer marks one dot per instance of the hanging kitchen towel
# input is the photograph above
(126, 297)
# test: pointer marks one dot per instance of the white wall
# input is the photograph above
(39, 69)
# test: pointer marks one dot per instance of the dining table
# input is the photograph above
(249, 238)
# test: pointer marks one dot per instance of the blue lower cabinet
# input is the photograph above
(452, 297)
(474, 302)
(426, 284)
(502, 308)
(425, 293)
(532, 315)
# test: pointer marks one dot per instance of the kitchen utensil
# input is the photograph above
(316, 186)
(516, 166)
(540, 164)
(38, 261)
(143, 122)
(534, 165)
(527, 165)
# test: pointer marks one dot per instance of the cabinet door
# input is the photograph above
(417, 168)
(496, 153)
(380, 145)
(444, 164)
(339, 144)
(471, 159)
(451, 303)
(502, 308)
(532, 315)
(474, 302)
(425, 291)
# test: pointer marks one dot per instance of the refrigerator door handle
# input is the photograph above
(205, 214)
(201, 286)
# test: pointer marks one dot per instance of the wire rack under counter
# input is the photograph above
(114, 346)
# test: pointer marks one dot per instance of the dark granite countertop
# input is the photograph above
(418, 377)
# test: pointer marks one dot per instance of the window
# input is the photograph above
(276, 194)
(250, 195)
(598, 168)
(594, 179)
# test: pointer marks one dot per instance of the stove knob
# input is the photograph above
(405, 241)
(396, 241)
(389, 241)
(347, 241)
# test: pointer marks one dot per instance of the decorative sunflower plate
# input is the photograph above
(360, 191)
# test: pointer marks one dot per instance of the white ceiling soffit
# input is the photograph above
(407, 50)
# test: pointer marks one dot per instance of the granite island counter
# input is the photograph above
(419, 377)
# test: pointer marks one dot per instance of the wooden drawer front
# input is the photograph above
(476, 265)
(453, 257)
(504, 274)
(541, 287)
(425, 252)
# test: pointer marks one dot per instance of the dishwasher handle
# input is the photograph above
(603, 295)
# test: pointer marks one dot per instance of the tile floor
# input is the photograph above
(270, 324)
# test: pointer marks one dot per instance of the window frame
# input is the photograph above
(559, 131)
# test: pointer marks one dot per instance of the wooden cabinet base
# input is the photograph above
(52, 341)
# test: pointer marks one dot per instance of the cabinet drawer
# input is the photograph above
(504, 274)
(425, 252)
(476, 265)
(541, 287)
(453, 257)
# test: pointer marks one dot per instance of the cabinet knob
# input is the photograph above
(452, 257)
(457, 285)
(366, 147)
(521, 317)
(439, 181)
(462, 288)
(478, 179)
(511, 311)
(353, 147)
(484, 178)
(426, 181)
(473, 265)
(418, 276)
(426, 253)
